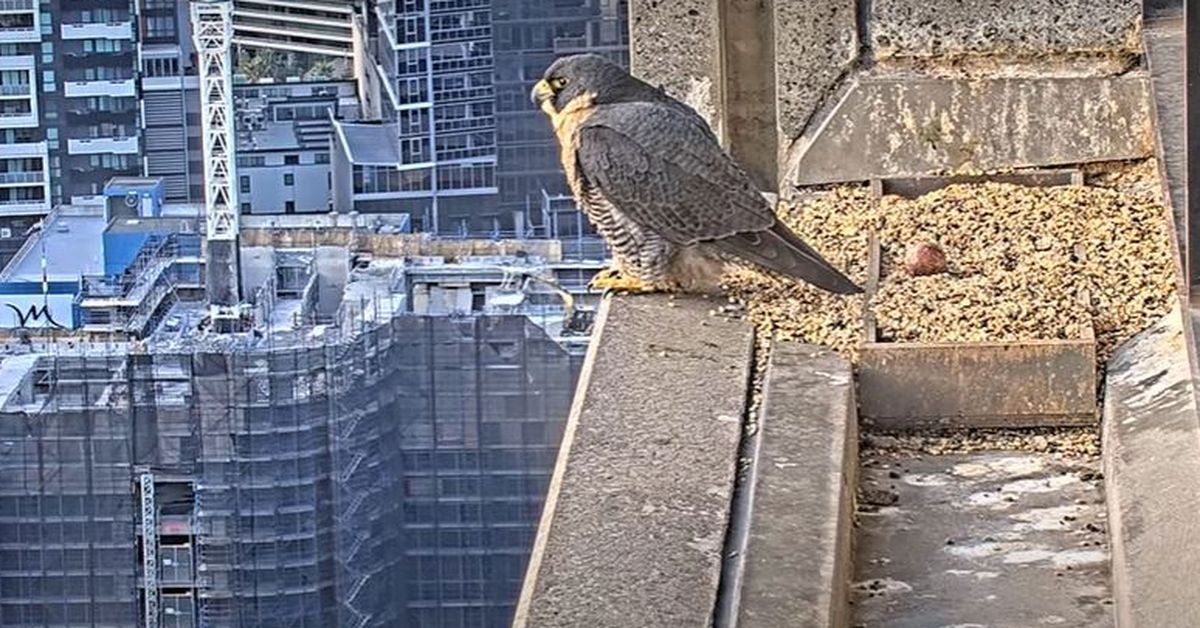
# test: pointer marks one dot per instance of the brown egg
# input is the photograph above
(925, 259)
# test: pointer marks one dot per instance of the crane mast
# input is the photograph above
(212, 32)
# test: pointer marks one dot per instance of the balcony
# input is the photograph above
(18, 120)
(18, 90)
(103, 145)
(106, 30)
(20, 34)
(115, 88)
(24, 207)
(13, 179)
(26, 149)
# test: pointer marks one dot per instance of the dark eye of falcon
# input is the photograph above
(558, 83)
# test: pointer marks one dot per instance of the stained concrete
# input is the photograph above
(747, 33)
(925, 28)
(635, 519)
(1165, 47)
(1151, 448)
(995, 539)
(816, 44)
(676, 44)
(798, 560)
(899, 127)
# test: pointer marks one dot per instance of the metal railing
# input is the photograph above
(22, 177)
(16, 5)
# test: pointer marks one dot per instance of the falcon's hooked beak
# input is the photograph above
(543, 96)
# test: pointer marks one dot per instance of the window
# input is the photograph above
(245, 208)
(101, 45)
(321, 158)
(244, 184)
(291, 160)
(289, 179)
(289, 207)
(160, 27)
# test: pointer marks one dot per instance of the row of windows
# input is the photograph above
(381, 179)
(168, 66)
(104, 45)
(466, 177)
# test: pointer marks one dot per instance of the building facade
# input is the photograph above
(95, 89)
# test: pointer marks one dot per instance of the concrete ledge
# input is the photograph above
(886, 127)
(637, 510)
(798, 561)
(1152, 475)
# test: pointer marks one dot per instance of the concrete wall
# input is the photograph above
(926, 28)
(765, 74)
(268, 194)
(676, 44)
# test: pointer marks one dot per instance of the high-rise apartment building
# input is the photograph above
(527, 38)
(453, 77)
(68, 106)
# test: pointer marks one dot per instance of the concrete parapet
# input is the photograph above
(1030, 28)
(798, 561)
(899, 127)
(636, 515)
(1151, 430)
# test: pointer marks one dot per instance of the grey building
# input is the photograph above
(284, 133)
(432, 68)
(453, 78)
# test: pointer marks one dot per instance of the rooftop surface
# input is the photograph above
(73, 247)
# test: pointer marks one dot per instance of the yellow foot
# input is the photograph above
(611, 279)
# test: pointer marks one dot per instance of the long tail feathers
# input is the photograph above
(780, 250)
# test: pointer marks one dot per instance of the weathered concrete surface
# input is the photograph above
(636, 515)
(676, 44)
(923, 28)
(798, 559)
(916, 385)
(747, 45)
(1165, 47)
(816, 44)
(897, 127)
(995, 539)
(1152, 471)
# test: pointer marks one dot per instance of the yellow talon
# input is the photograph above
(613, 279)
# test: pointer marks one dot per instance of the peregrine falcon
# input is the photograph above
(656, 184)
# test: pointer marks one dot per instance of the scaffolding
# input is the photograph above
(381, 473)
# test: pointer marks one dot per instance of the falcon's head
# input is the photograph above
(591, 77)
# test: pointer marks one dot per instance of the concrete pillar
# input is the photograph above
(747, 49)
(757, 70)
(675, 44)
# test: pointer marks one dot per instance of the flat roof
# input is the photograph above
(74, 247)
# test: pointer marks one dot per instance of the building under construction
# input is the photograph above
(371, 450)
